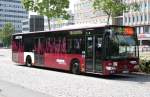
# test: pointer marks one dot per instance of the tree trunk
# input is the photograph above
(48, 20)
(108, 19)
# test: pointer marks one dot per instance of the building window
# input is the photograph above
(133, 19)
(146, 29)
(141, 18)
(145, 17)
(129, 19)
(145, 5)
(139, 30)
(125, 19)
(137, 18)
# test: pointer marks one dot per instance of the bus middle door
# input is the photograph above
(89, 55)
(93, 54)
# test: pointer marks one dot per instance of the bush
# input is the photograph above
(144, 66)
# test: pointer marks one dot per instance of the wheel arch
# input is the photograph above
(28, 57)
(29, 54)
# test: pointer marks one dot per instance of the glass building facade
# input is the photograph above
(12, 11)
(139, 19)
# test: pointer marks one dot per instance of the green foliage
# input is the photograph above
(6, 34)
(49, 8)
(28, 4)
(113, 7)
(145, 66)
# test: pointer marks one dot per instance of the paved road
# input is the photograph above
(62, 84)
(8, 89)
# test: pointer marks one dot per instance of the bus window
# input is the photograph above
(63, 45)
(28, 44)
(98, 47)
(17, 45)
(39, 45)
(55, 45)
(48, 44)
(75, 45)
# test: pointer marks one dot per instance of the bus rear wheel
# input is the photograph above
(75, 68)
(28, 61)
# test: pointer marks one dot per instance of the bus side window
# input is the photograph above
(69, 45)
(75, 45)
(63, 46)
(39, 45)
(28, 44)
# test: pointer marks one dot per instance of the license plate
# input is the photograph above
(125, 71)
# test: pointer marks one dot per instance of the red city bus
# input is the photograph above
(102, 50)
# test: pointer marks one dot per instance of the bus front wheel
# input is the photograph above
(75, 68)
(28, 61)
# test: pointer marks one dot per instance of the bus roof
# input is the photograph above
(72, 27)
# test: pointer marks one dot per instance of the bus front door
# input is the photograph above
(93, 50)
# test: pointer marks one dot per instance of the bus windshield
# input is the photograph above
(123, 46)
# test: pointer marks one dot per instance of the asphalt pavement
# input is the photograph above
(8, 89)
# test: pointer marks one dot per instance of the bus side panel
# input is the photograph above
(18, 57)
(61, 61)
(21, 57)
(15, 57)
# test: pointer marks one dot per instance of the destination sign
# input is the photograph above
(76, 32)
(123, 30)
(18, 37)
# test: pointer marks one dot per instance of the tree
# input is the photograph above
(6, 34)
(113, 8)
(49, 8)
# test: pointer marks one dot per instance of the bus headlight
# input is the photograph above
(110, 64)
(133, 62)
(115, 63)
(110, 68)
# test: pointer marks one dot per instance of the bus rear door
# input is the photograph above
(39, 51)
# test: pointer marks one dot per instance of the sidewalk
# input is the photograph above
(11, 90)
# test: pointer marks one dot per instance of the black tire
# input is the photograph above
(28, 61)
(75, 67)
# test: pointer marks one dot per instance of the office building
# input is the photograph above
(86, 14)
(140, 19)
(12, 11)
(33, 23)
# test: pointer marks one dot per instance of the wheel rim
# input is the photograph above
(28, 63)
